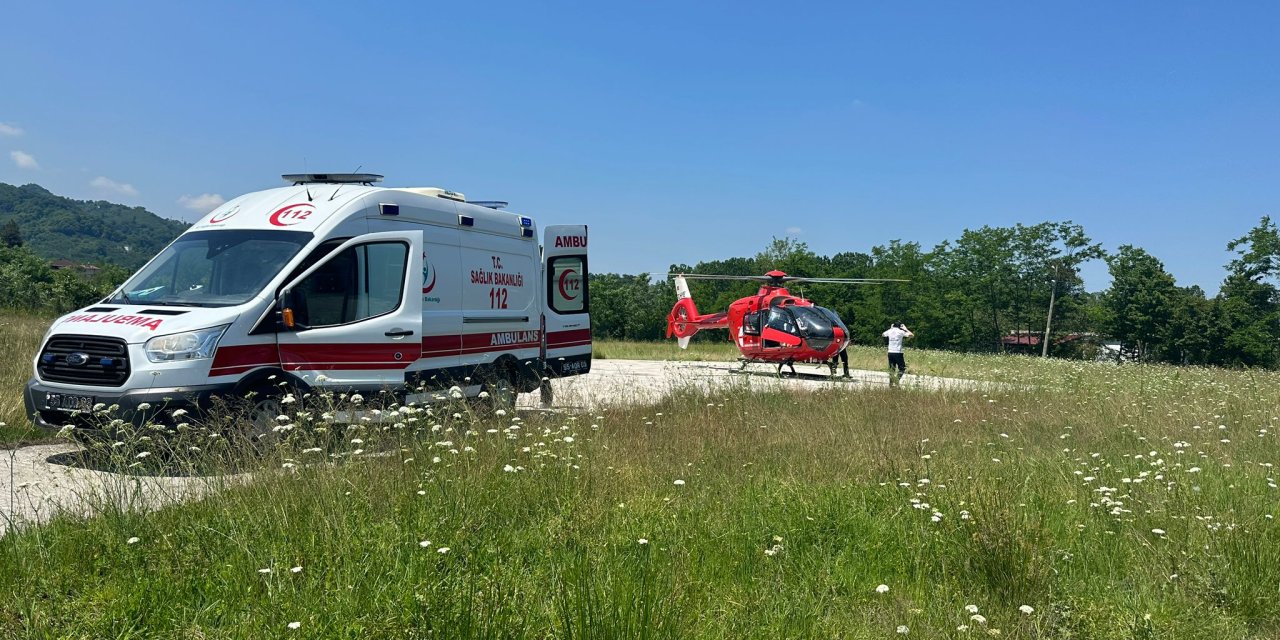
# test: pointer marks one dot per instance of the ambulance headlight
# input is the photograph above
(192, 345)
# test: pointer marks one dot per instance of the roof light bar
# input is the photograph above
(332, 178)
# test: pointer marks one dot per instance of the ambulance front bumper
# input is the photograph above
(52, 408)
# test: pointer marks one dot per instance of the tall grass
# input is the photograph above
(19, 340)
(1118, 502)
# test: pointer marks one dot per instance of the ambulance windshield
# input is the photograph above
(212, 268)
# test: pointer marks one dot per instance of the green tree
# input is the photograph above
(1140, 304)
(25, 279)
(10, 234)
(1194, 322)
(1247, 302)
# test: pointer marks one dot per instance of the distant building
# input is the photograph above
(84, 270)
(1076, 345)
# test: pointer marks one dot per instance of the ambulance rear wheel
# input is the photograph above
(500, 391)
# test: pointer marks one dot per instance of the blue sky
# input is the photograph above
(679, 131)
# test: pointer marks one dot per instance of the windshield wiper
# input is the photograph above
(178, 304)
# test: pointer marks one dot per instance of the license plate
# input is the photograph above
(68, 402)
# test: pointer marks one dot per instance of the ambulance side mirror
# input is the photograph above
(284, 306)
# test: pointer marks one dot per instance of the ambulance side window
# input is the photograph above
(567, 284)
(362, 282)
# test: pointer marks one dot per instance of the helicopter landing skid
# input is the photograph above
(792, 374)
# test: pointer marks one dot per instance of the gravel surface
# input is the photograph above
(37, 482)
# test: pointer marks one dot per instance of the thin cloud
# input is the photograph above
(203, 203)
(107, 185)
(24, 160)
(8, 129)
(794, 231)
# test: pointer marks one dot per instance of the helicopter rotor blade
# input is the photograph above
(692, 276)
(782, 279)
(845, 280)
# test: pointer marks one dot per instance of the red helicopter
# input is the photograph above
(773, 326)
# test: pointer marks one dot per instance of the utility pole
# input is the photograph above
(1048, 322)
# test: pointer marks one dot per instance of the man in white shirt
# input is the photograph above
(897, 364)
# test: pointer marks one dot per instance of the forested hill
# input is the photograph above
(94, 232)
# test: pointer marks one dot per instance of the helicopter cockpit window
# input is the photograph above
(751, 324)
(835, 319)
(812, 322)
(780, 318)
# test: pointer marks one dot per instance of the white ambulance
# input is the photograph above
(330, 283)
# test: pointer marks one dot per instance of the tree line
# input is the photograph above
(993, 289)
(996, 289)
(29, 282)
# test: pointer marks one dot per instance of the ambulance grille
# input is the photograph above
(101, 362)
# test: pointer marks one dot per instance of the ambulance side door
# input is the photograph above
(357, 314)
(567, 309)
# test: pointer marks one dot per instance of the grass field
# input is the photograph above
(19, 340)
(1113, 502)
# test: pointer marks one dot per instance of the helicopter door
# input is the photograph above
(567, 317)
(780, 331)
(749, 331)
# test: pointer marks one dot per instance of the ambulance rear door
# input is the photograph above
(566, 314)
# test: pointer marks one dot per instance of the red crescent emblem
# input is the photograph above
(226, 215)
(429, 287)
(563, 281)
(291, 214)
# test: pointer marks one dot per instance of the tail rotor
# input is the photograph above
(679, 321)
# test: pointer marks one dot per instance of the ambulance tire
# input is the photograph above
(500, 390)
(264, 408)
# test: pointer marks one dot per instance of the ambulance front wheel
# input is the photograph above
(264, 409)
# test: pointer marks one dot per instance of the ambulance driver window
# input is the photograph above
(361, 282)
(567, 284)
